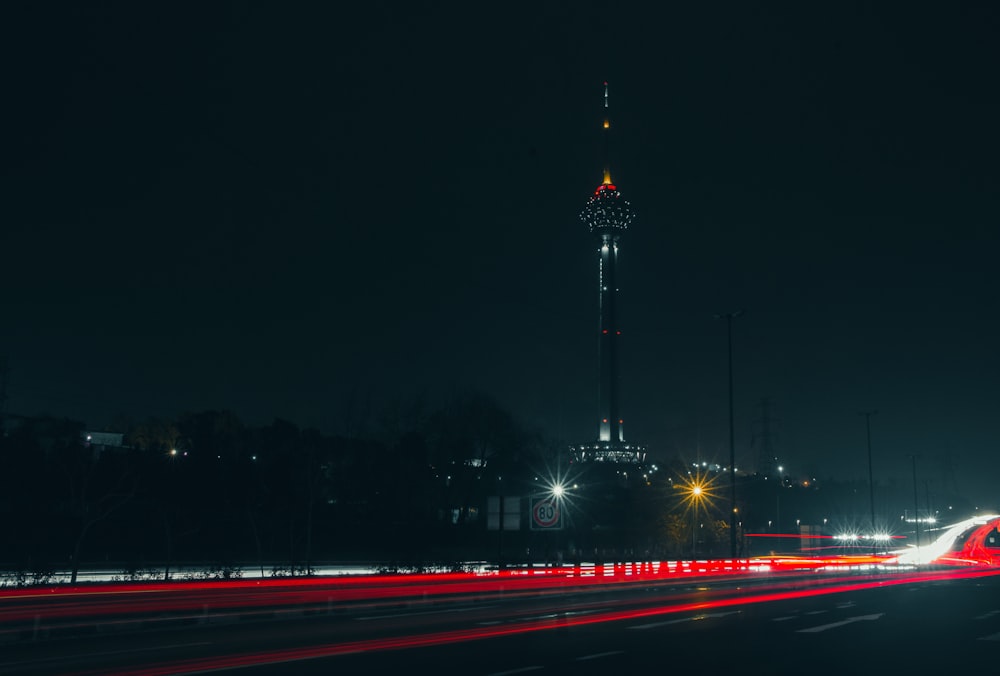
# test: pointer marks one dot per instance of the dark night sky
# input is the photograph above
(268, 209)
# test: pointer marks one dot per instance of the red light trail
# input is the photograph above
(759, 580)
(830, 586)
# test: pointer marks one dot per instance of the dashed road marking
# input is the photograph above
(694, 618)
(834, 625)
(425, 612)
(107, 653)
(599, 655)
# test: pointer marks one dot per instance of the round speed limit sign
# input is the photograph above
(545, 514)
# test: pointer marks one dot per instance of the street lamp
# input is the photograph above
(698, 491)
(729, 316)
(916, 513)
(697, 495)
(871, 483)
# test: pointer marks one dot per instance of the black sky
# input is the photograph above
(274, 209)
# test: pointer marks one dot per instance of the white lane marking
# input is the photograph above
(552, 616)
(426, 612)
(515, 671)
(988, 615)
(694, 618)
(4, 665)
(599, 655)
(991, 637)
(152, 647)
(815, 612)
(783, 619)
(848, 604)
(833, 625)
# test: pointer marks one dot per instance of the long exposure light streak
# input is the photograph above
(971, 545)
(89, 602)
(196, 666)
(944, 544)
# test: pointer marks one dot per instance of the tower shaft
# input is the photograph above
(612, 424)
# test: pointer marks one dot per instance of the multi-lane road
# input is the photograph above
(797, 621)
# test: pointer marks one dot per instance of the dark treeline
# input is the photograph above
(206, 490)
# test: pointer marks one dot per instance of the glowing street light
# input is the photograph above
(697, 495)
(697, 490)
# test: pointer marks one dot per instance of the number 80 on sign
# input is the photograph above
(545, 515)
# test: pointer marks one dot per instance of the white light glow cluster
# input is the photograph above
(608, 452)
(607, 209)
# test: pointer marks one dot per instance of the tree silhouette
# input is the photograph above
(97, 485)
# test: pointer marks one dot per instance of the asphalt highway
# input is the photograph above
(907, 621)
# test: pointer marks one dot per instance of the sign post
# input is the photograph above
(502, 513)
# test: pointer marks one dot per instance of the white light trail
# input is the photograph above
(928, 553)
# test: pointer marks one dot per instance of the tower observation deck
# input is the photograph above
(608, 216)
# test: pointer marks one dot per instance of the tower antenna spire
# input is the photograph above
(607, 138)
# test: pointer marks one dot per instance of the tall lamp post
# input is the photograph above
(916, 515)
(697, 491)
(871, 483)
(729, 316)
(696, 498)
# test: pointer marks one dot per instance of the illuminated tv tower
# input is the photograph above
(608, 215)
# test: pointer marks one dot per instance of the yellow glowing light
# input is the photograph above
(698, 491)
(607, 124)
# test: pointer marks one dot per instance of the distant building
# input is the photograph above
(102, 441)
